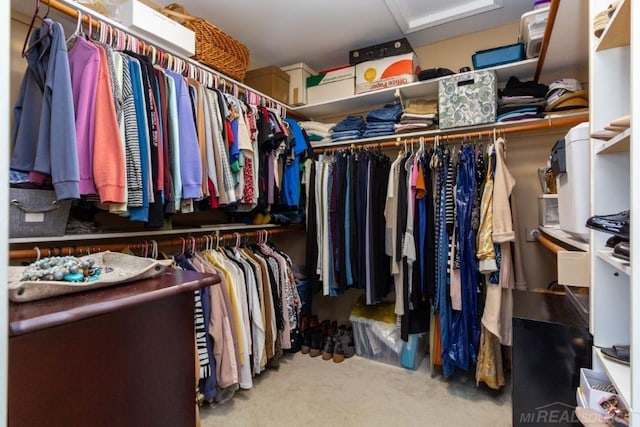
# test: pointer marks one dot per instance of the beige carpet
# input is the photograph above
(311, 392)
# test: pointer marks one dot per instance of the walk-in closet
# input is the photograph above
(345, 213)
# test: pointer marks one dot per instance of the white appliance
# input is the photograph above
(573, 184)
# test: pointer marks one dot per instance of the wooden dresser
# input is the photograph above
(119, 356)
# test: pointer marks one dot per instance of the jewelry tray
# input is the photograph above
(116, 268)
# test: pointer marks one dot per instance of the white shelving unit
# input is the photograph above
(424, 89)
(618, 373)
(615, 304)
(617, 144)
(606, 255)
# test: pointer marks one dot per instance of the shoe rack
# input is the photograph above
(615, 171)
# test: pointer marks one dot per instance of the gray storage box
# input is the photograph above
(467, 99)
(36, 213)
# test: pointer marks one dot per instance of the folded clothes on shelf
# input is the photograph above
(379, 126)
(374, 133)
(566, 94)
(350, 123)
(421, 106)
(515, 87)
(388, 113)
(519, 114)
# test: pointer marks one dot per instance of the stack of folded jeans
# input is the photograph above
(382, 121)
(349, 128)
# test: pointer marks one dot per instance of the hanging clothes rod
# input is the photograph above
(444, 136)
(185, 242)
(72, 9)
(547, 243)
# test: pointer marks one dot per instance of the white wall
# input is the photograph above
(4, 205)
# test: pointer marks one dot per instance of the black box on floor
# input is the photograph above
(382, 50)
(551, 342)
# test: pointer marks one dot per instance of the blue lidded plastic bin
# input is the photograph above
(498, 56)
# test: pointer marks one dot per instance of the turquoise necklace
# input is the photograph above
(67, 269)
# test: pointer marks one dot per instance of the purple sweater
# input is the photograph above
(84, 61)
(190, 164)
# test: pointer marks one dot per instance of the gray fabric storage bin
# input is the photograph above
(36, 213)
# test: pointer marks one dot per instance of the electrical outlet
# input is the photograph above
(528, 236)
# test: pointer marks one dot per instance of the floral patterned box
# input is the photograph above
(467, 99)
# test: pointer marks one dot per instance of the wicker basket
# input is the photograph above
(214, 47)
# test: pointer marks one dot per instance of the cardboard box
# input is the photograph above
(271, 81)
(385, 68)
(400, 80)
(331, 76)
(298, 74)
(331, 85)
(162, 29)
(331, 91)
(467, 99)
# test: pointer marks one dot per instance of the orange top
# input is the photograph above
(109, 170)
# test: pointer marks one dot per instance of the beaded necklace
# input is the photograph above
(67, 269)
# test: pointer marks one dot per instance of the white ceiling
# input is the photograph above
(322, 32)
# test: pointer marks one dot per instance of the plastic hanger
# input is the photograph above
(25, 49)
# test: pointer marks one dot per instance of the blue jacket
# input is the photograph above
(44, 134)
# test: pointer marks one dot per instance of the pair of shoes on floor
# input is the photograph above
(224, 395)
(339, 346)
(313, 336)
(320, 335)
(616, 224)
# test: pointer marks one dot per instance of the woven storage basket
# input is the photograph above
(214, 47)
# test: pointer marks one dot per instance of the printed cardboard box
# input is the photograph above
(384, 69)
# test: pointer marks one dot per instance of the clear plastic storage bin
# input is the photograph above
(377, 337)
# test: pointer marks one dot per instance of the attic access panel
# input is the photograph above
(412, 15)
